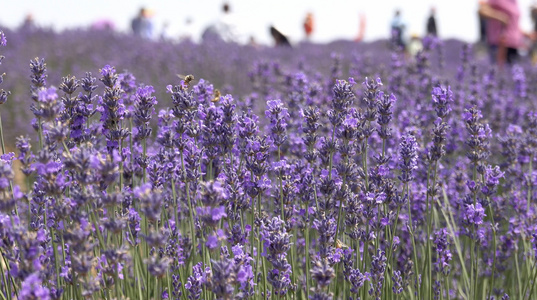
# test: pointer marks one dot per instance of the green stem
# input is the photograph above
(493, 249)
(281, 186)
(530, 183)
(429, 217)
(307, 236)
(529, 279)
(40, 132)
(2, 135)
(446, 279)
(415, 250)
(187, 187)
(343, 185)
(6, 284)
(144, 155)
(121, 165)
(174, 200)
(131, 145)
(532, 285)
(472, 265)
(520, 296)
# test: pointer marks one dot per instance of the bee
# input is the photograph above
(340, 244)
(187, 78)
(216, 95)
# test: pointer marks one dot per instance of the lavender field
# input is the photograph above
(135, 169)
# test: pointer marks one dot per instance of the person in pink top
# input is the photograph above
(503, 34)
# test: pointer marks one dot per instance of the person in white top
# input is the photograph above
(226, 27)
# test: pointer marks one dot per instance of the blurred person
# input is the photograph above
(226, 27)
(482, 24)
(481, 47)
(415, 45)
(308, 25)
(29, 22)
(503, 36)
(431, 23)
(186, 33)
(361, 28)
(398, 27)
(279, 38)
(164, 35)
(253, 43)
(142, 24)
(533, 48)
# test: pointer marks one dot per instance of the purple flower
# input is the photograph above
(109, 76)
(3, 96)
(441, 241)
(408, 157)
(278, 115)
(32, 288)
(276, 242)
(322, 272)
(474, 214)
(442, 99)
(3, 40)
(47, 95)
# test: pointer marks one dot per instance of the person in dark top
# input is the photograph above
(279, 38)
(431, 23)
(482, 25)
(533, 34)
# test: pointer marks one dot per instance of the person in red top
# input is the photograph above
(361, 29)
(503, 34)
(308, 25)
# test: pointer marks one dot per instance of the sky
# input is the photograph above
(334, 20)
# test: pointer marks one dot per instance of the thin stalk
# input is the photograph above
(131, 145)
(144, 155)
(429, 225)
(414, 250)
(393, 234)
(281, 186)
(307, 236)
(156, 289)
(174, 201)
(138, 277)
(40, 132)
(343, 185)
(446, 282)
(6, 284)
(529, 279)
(472, 243)
(493, 249)
(532, 285)
(121, 165)
(2, 135)
(56, 258)
(520, 296)
(476, 271)
(187, 187)
(472, 266)
(530, 183)
(450, 221)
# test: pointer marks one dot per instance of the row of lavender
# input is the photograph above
(231, 68)
(418, 185)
